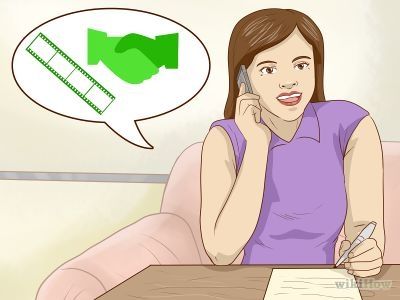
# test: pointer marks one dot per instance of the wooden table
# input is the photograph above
(229, 282)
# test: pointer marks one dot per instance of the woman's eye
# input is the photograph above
(268, 70)
(302, 66)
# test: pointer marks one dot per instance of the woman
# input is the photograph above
(286, 169)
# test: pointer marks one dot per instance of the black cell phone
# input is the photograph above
(244, 77)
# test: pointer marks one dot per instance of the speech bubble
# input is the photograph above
(54, 67)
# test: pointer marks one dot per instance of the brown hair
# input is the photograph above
(263, 29)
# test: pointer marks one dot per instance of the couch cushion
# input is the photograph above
(182, 193)
(391, 158)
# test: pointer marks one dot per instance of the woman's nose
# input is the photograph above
(288, 85)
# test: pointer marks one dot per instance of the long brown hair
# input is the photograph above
(263, 29)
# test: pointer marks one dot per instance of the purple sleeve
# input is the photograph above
(229, 128)
(350, 115)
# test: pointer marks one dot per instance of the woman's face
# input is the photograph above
(284, 68)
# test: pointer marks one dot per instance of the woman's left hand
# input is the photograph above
(364, 260)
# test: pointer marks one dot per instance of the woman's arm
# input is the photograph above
(363, 168)
(230, 206)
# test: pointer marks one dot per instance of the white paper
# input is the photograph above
(312, 284)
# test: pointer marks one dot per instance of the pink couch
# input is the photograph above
(173, 235)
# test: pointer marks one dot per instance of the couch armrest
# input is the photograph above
(161, 238)
(70, 284)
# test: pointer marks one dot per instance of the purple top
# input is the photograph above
(304, 201)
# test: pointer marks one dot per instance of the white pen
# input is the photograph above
(364, 234)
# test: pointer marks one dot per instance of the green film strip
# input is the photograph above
(70, 73)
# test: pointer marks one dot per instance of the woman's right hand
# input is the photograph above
(248, 118)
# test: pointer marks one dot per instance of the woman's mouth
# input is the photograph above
(290, 99)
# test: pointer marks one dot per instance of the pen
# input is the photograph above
(364, 234)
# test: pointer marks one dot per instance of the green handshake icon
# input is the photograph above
(133, 57)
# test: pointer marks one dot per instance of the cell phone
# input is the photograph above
(244, 77)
